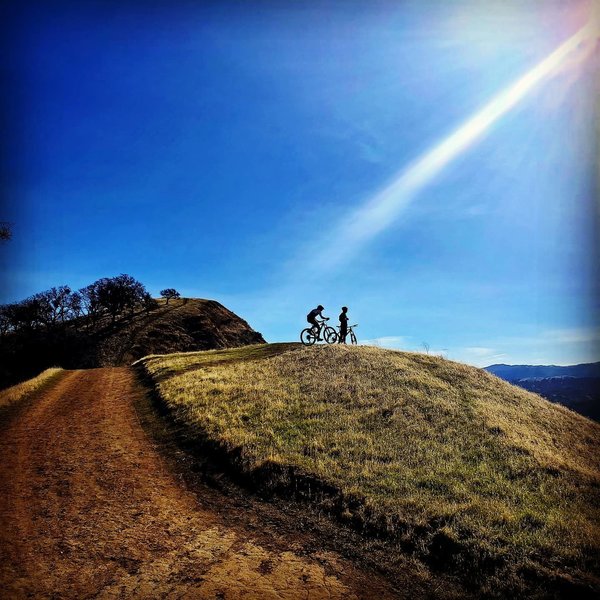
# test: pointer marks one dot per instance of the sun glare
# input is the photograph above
(378, 212)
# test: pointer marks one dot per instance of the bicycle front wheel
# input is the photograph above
(308, 337)
(353, 339)
(330, 335)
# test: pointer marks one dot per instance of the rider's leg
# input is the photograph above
(317, 328)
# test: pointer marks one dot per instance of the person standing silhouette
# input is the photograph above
(343, 325)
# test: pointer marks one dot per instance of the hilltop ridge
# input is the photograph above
(184, 325)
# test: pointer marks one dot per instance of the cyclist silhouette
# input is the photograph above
(343, 324)
(311, 317)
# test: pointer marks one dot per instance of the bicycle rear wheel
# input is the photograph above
(353, 339)
(308, 337)
(330, 335)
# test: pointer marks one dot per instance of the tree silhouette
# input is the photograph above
(148, 302)
(58, 306)
(5, 320)
(90, 302)
(118, 294)
(5, 231)
(112, 296)
(58, 299)
(169, 293)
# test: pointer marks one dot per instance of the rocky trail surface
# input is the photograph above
(90, 507)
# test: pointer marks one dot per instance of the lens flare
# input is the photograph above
(381, 210)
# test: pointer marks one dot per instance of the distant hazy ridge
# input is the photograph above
(574, 386)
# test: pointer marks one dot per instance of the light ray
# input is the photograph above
(381, 210)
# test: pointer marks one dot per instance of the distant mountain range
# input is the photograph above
(576, 386)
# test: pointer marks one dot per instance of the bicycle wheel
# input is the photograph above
(330, 335)
(308, 337)
(353, 339)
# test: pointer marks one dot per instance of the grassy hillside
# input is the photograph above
(18, 392)
(446, 461)
(182, 325)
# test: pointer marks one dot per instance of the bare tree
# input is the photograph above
(47, 309)
(58, 298)
(5, 231)
(425, 347)
(90, 301)
(118, 294)
(75, 308)
(29, 313)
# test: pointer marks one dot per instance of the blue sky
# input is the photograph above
(221, 149)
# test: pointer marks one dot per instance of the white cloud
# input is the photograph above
(561, 346)
(478, 351)
(575, 335)
(389, 341)
(480, 356)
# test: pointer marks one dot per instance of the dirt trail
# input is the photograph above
(90, 508)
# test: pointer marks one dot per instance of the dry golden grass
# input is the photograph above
(463, 469)
(17, 392)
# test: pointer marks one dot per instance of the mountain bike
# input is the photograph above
(350, 333)
(309, 336)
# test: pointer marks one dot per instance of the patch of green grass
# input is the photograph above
(470, 472)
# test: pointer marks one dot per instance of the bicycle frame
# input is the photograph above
(321, 325)
(349, 332)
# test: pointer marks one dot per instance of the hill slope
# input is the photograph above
(181, 325)
(461, 469)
